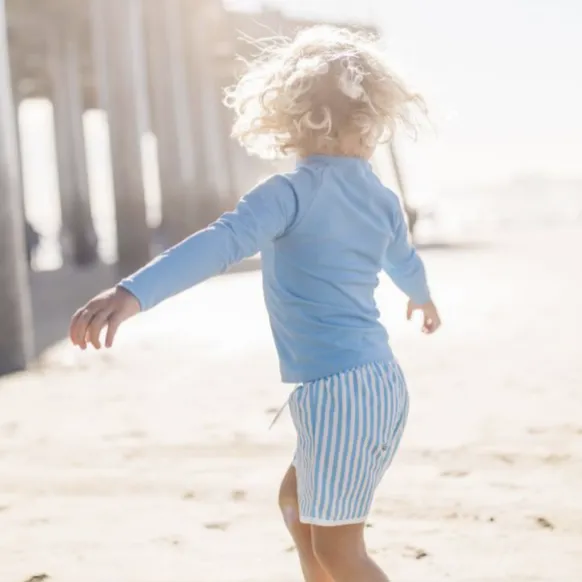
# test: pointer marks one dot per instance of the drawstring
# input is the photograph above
(280, 412)
(287, 402)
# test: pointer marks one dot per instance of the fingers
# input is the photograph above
(112, 327)
(79, 327)
(98, 322)
(431, 323)
(88, 322)
(427, 326)
(107, 310)
(409, 310)
(73, 328)
(87, 325)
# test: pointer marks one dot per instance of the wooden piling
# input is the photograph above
(80, 239)
(16, 331)
(118, 51)
(200, 25)
(171, 101)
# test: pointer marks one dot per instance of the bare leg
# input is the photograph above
(301, 533)
(342, 552)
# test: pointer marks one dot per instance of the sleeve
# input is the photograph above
(403, 265)
(261, 216)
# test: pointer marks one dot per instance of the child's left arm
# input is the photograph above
(405, 267)
(403, 264)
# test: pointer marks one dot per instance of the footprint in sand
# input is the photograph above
(8, 429)
(507, 459)
(222, 526)
(38, 521)
(544, 523)
(238, 495)
(510, 486)
(454, 473)
(416, 553)
(170, 541)
(556, 459)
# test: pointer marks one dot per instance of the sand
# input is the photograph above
(154, 463)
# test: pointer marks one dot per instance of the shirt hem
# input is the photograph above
(304, 377)
(331, 522)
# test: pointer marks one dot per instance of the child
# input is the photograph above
(325, 230)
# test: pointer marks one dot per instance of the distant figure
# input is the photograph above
(412, 217)
(81, 247)
(32, 241)
(325, 229)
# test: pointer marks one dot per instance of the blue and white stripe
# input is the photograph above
(349, 427)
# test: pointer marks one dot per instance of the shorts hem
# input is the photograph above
(331, 522)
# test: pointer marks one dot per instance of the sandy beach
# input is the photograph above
(154, 462)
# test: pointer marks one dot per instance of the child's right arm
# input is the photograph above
(261, 216)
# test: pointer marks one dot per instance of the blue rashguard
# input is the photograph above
(324, 231)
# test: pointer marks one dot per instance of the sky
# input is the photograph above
(502, 78)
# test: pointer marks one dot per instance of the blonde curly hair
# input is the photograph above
(326, 88)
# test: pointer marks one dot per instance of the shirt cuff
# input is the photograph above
(127, 285)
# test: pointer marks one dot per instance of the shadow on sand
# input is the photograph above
(450, 246)
(57, 294)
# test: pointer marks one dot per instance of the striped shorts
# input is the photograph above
(348, 427)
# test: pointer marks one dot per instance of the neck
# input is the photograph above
(347, 147)
(336, 152)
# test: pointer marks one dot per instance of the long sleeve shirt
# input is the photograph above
(325, 231)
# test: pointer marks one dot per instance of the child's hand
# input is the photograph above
(107, 310)
(432, 320)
